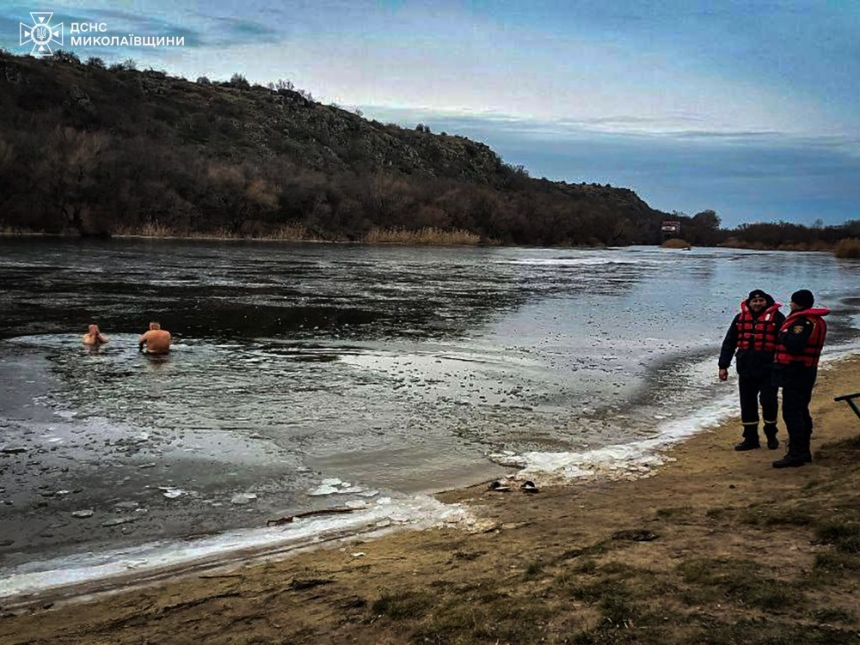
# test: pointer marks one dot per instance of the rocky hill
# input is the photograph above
(101, 149)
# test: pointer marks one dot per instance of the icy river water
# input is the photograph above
(311, 377)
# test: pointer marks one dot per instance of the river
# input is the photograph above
(310, 377)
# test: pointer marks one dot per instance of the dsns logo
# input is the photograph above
(41, 33)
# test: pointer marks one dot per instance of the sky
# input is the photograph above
(751, 109)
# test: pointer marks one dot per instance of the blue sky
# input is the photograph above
(748, 108)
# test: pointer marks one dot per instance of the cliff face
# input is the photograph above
(101, 149)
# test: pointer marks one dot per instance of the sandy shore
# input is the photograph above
(716, 547)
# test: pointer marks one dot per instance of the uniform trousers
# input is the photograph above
(755, 390)
(797, 382)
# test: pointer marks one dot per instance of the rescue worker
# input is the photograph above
(798, 350)
(753, 335)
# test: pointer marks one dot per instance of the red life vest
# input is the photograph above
(812, 351)
(759, 334)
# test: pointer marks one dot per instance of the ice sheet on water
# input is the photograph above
(628, 460)
(640, 458)
(583, 261)
(335, 486)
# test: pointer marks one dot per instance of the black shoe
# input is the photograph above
(790, 461)
(772, 443)
(747, 444)
(807, 457)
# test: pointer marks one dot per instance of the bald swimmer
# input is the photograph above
(156, 340)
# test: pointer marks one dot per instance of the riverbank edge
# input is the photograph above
(530, 548)
(375, 237)
(847, 248)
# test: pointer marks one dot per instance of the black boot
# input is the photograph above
(790, 461)
(795, 457)
(750, 439)
(770, 431)
(746, 444)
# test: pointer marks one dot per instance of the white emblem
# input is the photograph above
(41, 33)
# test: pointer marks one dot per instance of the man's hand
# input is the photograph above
(724, 375)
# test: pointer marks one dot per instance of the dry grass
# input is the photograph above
(817, 245)
(848, 248)
(294, 232)
(297, 232)
(284, 233)
(13, 231)
(675, 243)
(424, 236)
(150, 229)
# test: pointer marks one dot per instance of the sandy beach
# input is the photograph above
(716, 547)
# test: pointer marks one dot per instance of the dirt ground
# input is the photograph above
(716, 547)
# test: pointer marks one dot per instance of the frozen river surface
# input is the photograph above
(313, 376)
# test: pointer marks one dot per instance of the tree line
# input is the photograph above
(101, 150)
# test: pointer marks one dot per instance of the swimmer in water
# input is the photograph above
(94, 337)
(156, 340)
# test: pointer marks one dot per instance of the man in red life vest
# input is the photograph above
(795, 368)
(753, 335)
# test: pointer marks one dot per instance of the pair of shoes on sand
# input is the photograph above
(501, 487)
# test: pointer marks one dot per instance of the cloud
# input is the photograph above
(679, 126)
(227, 32)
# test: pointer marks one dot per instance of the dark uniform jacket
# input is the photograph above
(754, 338)
(799, 349)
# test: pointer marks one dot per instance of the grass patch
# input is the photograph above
(593, 592)
(718, 513)
(768, 632)
(842, 452)
(674, 512)
(409, 605)
(450, 625)
(595, 549)
(849, 544)
(738, 581)
(675, 243)
(847, 248)
(492, 596)
(534, 570)
(430, 235)
(844, 535)
(763, 515)
(836, 563)
(503, 619)
(586, 566)
(620, 609)
(833, 615)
